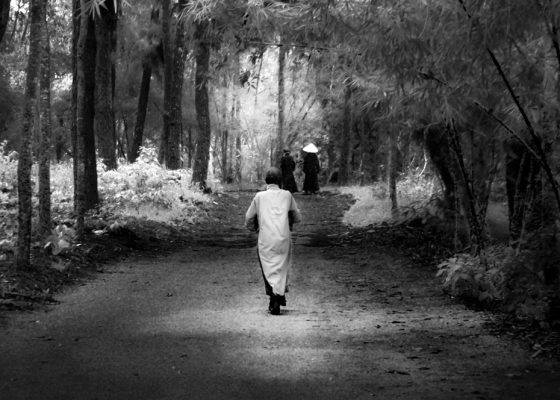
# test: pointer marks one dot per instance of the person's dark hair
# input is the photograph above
(273, 176)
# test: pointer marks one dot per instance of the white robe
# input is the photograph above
(275, 210)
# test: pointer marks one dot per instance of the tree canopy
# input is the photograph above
(221, 88)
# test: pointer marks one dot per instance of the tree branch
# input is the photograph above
(528, 124)
(552, 30)
(431, 76)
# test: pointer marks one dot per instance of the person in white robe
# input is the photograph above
(272, 214)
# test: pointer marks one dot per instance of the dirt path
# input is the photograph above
(360, 324)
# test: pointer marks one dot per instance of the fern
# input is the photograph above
(467, 277)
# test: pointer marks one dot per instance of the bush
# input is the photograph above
(531, 291)
(474, 279)
(373, 206)
(143, 190)
(147, 190)
(518, 282)
(8, 200)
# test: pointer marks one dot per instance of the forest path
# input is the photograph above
(361, 322)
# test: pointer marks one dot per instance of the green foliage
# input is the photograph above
(532, 274)
(8, 199)
(514, 281)
(147, 190)
(61, 238)
(94, 7)
(523, 283)
(373, 206)
(8, 169)
(143, 190)
(470, 278)
(62, 190)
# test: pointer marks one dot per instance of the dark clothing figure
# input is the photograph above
(288, 166)
(311, 168)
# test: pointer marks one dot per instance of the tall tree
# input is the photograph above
(4, 16)
(76, 9)
(151, 59)
(45, 148)
(392, 172)
(344, 138)
(236, 159)
(143, 97)
(87, 193)
(223, 129)
(87, 56)
(173, 152)
(202, 150)
(37, 14)
(167, 45)
(105, 28)
(281, 105)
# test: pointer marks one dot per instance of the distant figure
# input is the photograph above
(311, 168)
(272, 214)
(298, 173)
(288, 166)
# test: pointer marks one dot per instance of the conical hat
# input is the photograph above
(310, 148)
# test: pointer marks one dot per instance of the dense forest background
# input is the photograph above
(111, 108)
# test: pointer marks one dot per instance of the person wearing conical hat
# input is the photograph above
(272, 214)
(311, 168)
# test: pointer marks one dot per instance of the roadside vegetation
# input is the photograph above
(517, 281)
(140, 202)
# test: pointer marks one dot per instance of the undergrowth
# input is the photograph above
(143, 191)
(521, 282)
(146, 190)
(372, 204)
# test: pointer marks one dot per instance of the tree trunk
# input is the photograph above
(392, 173)
(4, 17)
(16, 20)
(104, 117)
(87, 195)
(238, 160)
(167, 78)
(24, 33)
(344, 139)
(470, 198)
(87, 131)
(173, 151)
(435, 140)
(522, 170)
(190, 147)
(224, 155)
(281, 105)
(143, 98)
(23, 255)
(45, 147)
(201, 156)
(121, 128)
(73, 125)
(215, 158)
(236, 157)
